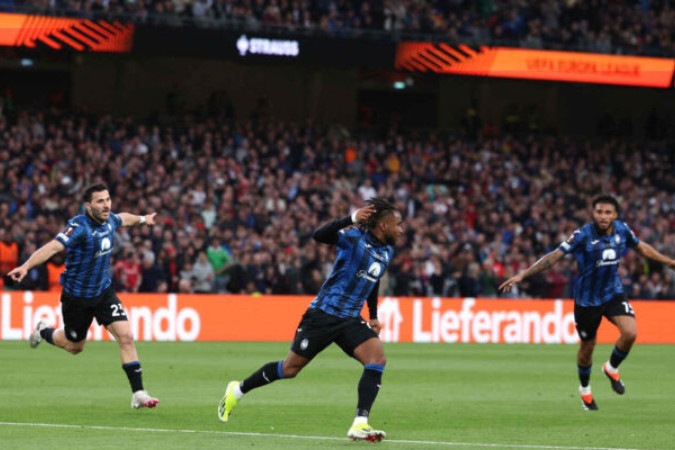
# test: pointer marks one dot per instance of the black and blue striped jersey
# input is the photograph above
(89, 246)
(598, 257)
(360, 262)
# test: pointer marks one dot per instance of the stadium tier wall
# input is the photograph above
(159, 85)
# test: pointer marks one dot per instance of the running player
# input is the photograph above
(88, 291)
(363, 254)
(598, 247)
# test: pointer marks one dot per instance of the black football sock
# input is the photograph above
(617, 357)
(48, 335)
(369, 386)
(267, 374)
(135, 375)
(584, 375)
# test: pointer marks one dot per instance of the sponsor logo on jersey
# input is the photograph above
(608, 258)
(373, 272)
(106, 247)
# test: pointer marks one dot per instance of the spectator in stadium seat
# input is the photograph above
(9, 254)
(88, 291)
(220, 259)
(363, 254)
(151, 275)
(598, 248)
(202, 274)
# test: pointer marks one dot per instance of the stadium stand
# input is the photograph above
(478, 209)
(480, 203)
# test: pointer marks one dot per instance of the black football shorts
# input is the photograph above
(317, 330)
(79, 313)
(588, 318)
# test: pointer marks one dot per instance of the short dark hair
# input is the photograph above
(609, 199)
(89, 192)
(383, 209)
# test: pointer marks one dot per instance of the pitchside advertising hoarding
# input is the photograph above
(177, 317)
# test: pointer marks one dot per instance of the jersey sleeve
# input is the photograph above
(116, 219)
(572, 242)
(347, 238)
(328, 233)
(631, 239)
(71, 235)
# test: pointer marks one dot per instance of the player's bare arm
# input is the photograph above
(129, 220)
(647, 251)
(41, 255)
(544, 263)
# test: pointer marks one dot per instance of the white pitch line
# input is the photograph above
(296, 436)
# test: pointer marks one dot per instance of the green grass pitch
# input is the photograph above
(433, 396)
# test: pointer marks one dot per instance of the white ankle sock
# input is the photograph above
(236, 390)
(359, 420)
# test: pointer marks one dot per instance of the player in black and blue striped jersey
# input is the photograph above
(598, 247)
(334, 316)
(88, 291)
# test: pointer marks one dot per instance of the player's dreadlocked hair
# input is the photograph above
(382, 209)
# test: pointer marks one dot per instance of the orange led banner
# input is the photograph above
(180, 317)
(505, 62)
(58, 33)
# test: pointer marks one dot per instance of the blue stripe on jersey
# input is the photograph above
(360, 262)
(89, 247)
(598, 259)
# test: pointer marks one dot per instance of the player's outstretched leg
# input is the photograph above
(141, 399)
(228, 402)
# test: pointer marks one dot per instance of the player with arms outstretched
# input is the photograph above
(598, 247)
(363, 254)
(88, 291)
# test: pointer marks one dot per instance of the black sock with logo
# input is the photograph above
(267, 374)
(134, 374)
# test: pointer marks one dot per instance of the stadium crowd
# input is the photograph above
(237, 201)
(644, 27)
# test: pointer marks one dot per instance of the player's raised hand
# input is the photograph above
(362, 214)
